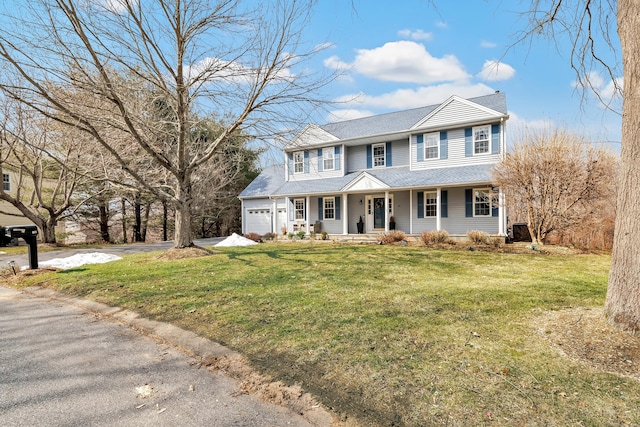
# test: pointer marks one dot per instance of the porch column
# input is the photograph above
(386, 211)
(274, 216)
(345, 214)
(502, 220)
(307, 215)
(438, 211)
(411, 211)
(287, 201)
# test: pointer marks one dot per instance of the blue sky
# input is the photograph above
(405, 54)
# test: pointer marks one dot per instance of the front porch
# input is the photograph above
(365, 214)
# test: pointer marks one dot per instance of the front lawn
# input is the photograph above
(386, 335)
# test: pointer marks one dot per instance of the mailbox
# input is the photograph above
(29, 233)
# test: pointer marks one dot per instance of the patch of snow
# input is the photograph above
(78, 260)
(236, 240)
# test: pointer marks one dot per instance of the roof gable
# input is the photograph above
(450, 112)
(311, 135)
(364, 181)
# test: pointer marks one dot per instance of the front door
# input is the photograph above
(378, 212)
(375, 212)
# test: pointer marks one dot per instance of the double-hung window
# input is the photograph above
(430, 204)
(481, 139)
(329, 208)
(299, 209)
(6, 182)
(328, 159)
(298, 162)
(482, 202)
(379, 155)
(431, 145)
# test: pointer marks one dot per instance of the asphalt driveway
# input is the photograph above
(120, 250)
(63, 366)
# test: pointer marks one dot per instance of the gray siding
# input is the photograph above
(314, 172)
(457, 223)
(452, 113)
(456, 155)
(356, 158)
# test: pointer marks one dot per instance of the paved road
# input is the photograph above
(61, 366)
(120, 250)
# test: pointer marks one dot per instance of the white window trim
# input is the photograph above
(473, 130)
(324, 208)
(296, 210)
(8, 182)
(328, 153)
(436, 136)
(384, 155)
(434, 204)
(295, 162)
(490, 195)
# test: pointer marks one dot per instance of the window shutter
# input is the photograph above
(337, 157)
(444, 145)
(444, 204)
(290, 155)
(494, 196)
(369, 157)
(320, 165)
(320, 208)
(468, 202)
(495, 139)
(337, 206)
(387, 151)
(420, 204)
(420, 147)
(292, 210)
(306, 162)
(468, 142)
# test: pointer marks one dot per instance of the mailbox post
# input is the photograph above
(29, 233)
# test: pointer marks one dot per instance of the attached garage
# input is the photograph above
(257, 221)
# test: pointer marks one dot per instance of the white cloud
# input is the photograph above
(487, 44)
(605, 88)
(415, 35)
(335, 63)
(493, 71)
(402, 99)
(403, 61)
(441, 24)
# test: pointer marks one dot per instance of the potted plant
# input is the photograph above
(392, 223)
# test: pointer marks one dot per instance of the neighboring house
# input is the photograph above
(10, 215)
(429, 168)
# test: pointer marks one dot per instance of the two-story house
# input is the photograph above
(422, 169)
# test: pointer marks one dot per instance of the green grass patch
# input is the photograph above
(389, 335)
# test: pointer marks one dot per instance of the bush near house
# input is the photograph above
(435, 237)
(392, 236)
(254, 236)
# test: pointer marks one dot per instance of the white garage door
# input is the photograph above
(257, 221)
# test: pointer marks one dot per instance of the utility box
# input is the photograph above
(521, 232)
(30, 234)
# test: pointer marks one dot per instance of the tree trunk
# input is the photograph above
(183, 215)
(622, 305)
(137, 209)
(145, 222)
(124, 219)
(103, 218)
(165, 215)
(48, 231)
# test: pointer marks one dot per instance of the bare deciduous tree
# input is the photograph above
(554, 179)
(241, 61)
(592, 27)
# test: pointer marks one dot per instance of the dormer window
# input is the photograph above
(379, 155)
(298, 162)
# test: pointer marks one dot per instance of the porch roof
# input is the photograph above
(392, 178)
